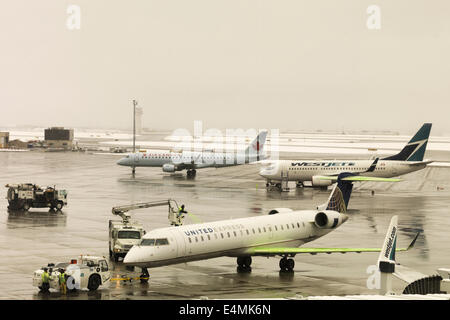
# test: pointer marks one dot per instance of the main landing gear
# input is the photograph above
(244, 264)
(287, 265)
(191, 173)
(272, 185)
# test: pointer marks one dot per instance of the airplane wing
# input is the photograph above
(292, 251)
(359, 178)
(439, 164)
(386, 252)
(418, 163)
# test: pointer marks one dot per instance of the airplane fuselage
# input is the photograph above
(186, 160)
(234, 238)
(298, 170)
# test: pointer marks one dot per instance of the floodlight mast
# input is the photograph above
(133, 168)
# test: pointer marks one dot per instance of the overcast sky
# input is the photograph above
(230, 63)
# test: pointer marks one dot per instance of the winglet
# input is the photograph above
(387, 253)
(411, 245)
(373, 166)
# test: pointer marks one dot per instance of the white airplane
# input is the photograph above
(280, 233)
(190, 161)
(322, 173)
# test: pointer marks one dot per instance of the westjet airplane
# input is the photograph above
(323, 173)
(190, 161)
(280, 233)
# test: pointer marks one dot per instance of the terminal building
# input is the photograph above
(4, 139)
(59, 138)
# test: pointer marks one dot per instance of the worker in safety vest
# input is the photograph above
(62, 281)
(180, 215)
(45, 281)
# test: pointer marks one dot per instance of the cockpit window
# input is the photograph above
(162, 242)
(154, 242)
(148, 242)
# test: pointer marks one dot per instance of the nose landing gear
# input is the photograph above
(145, 276)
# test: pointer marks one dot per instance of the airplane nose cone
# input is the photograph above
(131, 257)
(263, 173)
(269, 170)
(122, 162)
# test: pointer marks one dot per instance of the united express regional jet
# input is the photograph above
(280, 233)
(322, 173)
(190, 161)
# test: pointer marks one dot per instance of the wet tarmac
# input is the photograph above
(95, 184)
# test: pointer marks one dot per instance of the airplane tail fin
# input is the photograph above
(256, 147)
(415, 149)
(340, 195)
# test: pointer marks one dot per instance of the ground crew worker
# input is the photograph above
(180, 215)
(62, 281)
(45, 281)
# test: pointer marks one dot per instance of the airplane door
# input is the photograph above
(180, 243)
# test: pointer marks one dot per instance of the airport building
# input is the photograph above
(59, 138)
(4, 139)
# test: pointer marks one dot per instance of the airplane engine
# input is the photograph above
(169, 167)
(327, 219)
(317, 182)
(280, 210)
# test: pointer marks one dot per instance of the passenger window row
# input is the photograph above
(224, 235)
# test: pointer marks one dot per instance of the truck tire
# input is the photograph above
(26, 206)
(59, 205)
(94, 282)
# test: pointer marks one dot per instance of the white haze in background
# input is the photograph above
(232, 64)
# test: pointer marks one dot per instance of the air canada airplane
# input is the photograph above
(190, 161)
(280, 233)
(322, 173)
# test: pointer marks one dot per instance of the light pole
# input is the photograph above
(133, 168)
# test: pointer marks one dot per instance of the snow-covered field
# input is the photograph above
(320, 143)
